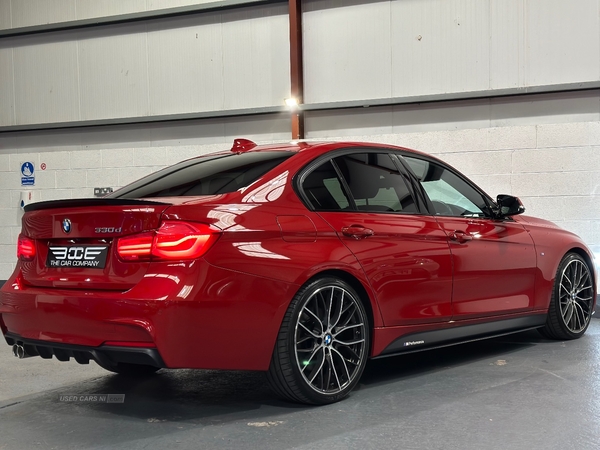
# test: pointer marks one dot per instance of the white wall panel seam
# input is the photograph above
(222, 61)
(78, 79)
(12, 55)
(148, 71)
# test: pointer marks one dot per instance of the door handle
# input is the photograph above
(460, 236)
(357, 232)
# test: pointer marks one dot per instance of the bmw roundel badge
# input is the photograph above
(66, 226)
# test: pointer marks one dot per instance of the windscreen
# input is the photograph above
(211, 175)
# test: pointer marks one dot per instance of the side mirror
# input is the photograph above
(509, 206)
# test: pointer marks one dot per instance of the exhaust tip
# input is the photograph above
(19, 351)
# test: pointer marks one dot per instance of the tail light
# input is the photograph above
(172, 241)
(25, 248)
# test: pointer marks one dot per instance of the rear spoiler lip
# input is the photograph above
(82, 202)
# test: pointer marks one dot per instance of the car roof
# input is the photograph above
(320, 147)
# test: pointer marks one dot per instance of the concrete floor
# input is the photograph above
(516, 392)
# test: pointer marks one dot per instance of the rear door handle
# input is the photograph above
(357, 232)
(460, 236)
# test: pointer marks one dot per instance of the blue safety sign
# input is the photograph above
(27, 174)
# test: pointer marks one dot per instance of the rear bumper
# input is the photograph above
(104, 355)
(193, 316)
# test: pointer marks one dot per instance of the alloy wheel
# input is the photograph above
(330, 339)
(576, 295)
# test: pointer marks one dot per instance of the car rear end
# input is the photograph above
(124, 279)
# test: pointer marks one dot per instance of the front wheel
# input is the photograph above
(323, 344)
(572, 301)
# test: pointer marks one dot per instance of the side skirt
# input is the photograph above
(446, 337)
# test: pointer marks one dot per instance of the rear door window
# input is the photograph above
(375, 183)
(369, 182)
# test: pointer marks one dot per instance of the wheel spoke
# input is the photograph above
(341, 310)
(330, 308)
(335, 372)
(568, 311)
(316, 319)
(357, 341)
(308, 331)
(347, 328)
(343, 362)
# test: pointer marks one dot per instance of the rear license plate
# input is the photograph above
(81, 256)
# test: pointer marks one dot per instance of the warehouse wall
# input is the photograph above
(214, 61)
(24, 13)
(357, 49)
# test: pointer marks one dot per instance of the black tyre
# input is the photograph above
(130, 370)
(571, 305)
(323, 344)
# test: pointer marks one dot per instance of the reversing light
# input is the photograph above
(136, 248)
(25, 248)
(173, 241)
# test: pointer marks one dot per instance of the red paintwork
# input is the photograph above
(224, 310)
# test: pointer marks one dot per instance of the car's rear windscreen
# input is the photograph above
(210, 175)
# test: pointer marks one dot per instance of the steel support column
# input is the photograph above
(296, 67)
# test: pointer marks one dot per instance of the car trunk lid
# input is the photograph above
(75, 242)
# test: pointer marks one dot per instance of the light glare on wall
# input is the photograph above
(291, 102)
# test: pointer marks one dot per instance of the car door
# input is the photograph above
(405, 255)
(494, 261)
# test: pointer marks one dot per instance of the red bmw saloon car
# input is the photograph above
(302, 260)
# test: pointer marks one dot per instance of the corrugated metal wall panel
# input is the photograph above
(439, 46)
(562, 41)
(256, 61)
(113, 71)
(38, 12)
(5, 17)
(346, 50)
(161, 4)
(45, 79)
(7, 108)
(446, 46)
(185, 64)
(507, 43)
(87, 9)
(514, 111)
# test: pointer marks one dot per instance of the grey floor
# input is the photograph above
(516, 392)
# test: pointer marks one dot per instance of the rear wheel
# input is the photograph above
(572, 300)
(130, 370)
(323, 344)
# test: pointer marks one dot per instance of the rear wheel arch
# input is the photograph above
(586, 257)
(368, 302)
